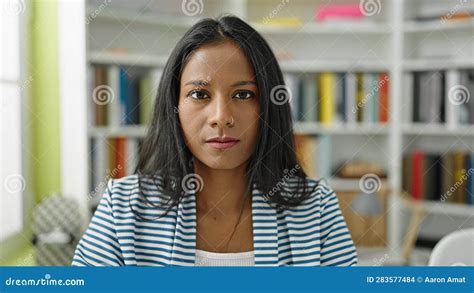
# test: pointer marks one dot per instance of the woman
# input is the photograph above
(218, 182)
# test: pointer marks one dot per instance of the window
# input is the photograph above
(12, 180)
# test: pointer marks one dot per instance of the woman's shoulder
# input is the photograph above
(125, 188)
(317, 192)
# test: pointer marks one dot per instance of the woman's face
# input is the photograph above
(219, 98)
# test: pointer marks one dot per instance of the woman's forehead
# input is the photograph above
(223, 60)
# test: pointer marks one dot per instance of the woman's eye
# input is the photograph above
(244, 95)
(198, 95)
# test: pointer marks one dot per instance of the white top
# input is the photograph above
(216, 259)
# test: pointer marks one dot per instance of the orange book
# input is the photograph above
(120, 157)
(383, 98)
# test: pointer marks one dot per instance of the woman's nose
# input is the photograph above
(221, 112)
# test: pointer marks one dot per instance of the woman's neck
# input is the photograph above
(223, 189)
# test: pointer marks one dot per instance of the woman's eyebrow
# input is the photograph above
(197, 82)
(203, 83)
(244, 82)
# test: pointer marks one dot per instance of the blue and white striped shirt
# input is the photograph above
(311, 234)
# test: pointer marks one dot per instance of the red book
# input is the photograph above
(383, 98)
(417, 182)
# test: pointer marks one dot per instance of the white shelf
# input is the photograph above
(325, 28)
(122, 15)
(136, 131)
(314, 128)
(130, 59)
(437, 64)
(437, 26)
(343, 184)
(447, 208)
(425, 129)
(133, 59)
(332, 65)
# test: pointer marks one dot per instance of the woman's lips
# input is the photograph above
(222, 145)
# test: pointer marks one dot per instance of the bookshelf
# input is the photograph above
(391, 41)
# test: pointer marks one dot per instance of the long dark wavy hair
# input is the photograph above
(166, 160)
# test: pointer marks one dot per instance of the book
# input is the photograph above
(360, 96)
(417, 173)
(327, 97)
(459, 181)
(120, 157)
(428, 104)
(383, 104)
(292, 84)
(369, 94)
(114, 113)
(310, 99)
(350, 90)
(453, 78)
(339, 89)
(101, 95)
(333, 12)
